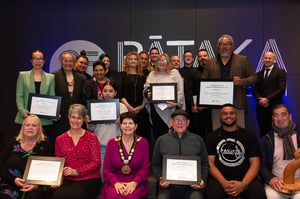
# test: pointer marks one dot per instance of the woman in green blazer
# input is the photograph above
(34, 81)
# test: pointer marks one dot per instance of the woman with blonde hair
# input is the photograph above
(160, 113)
(30, 141)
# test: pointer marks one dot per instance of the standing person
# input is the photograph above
(81, 65)
(175, 62)
(278, 146)
(34, 81)
(144, 60)
(132, 93)
(68, 85)
(201, 122)
(268, 91)
(154, 53)
(234, 160)
(111, 73)
(93, 88)
(107, 131)
(81, 150)
(230, 66)
(179, 141)
(30, 141)
(126, 167)
(160, 114)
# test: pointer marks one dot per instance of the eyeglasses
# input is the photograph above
(37, 58)
(225, 44)
(163, 60)
(179, 120)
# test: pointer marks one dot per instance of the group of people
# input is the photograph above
(120, 152)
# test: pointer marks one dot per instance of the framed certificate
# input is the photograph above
(181, 170)
(45, 106)
(44, 170)
(215, 93)
(103, 111)
(162, 92)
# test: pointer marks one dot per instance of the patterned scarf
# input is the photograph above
(287, 142)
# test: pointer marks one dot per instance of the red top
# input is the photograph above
(84, 157)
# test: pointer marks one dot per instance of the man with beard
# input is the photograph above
(202, 57)
(231, 67)
(233, 156)
(277, 148)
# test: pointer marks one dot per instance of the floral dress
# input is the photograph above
(13, 163)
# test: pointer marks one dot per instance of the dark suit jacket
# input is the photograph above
(241, 67)
(273, 87)
(61, 89)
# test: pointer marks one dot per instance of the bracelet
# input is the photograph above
(245, 185)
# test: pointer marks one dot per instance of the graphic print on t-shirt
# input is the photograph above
(231, 152)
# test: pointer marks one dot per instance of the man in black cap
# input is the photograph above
(179, 141)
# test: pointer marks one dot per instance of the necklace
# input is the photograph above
(126, 168)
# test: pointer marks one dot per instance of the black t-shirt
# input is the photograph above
(232, 151)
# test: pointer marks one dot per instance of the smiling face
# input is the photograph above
(268, 59)
(225, 47)
(188, 59)
(106, 60)
(175, 62)
(179, 124)
(67, 62)
(31, 128)
(132, 61)
(281, 117)
(202, 57)
(162, 64)
(154, 55)
(128, 126)
(144, 60)
(228, 116)
(81, 64)
(37, 60)
(99, 72)
(109, 92)
(75, 121)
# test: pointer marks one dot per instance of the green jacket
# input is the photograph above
(25, 85)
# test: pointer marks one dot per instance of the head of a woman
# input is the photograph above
(82, 62)
(77, 115)
(67, 61)
(132, 62)
(144, 60)
(109, 90)
(128, 123)
(106, 58)
(37, 59)
(163, 64)
(31, 129)
(99, 70)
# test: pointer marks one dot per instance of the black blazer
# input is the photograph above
(273, 87)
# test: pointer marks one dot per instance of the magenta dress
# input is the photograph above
(139, 170)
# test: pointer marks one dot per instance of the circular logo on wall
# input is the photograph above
(231, 152)
(93, 52)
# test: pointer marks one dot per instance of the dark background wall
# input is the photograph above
(49, 25)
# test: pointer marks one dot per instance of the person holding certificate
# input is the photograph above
(34, 81)
(30, 141)
(81, 150)
(160, 113)
(126, 163)
(179, 141)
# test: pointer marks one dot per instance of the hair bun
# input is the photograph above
(83, 52)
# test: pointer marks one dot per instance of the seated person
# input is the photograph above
(179, 141)
(30, 141)
(233, 155)
(81, 150)
(277, 148)
(126, 163)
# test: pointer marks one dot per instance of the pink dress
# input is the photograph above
(139, 170)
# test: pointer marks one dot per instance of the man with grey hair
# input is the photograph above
(230, 66)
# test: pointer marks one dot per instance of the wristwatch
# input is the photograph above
(245, 185)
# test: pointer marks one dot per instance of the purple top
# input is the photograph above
(139, 169)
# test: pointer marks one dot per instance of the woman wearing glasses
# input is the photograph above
(35, 81)
(160, 113)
